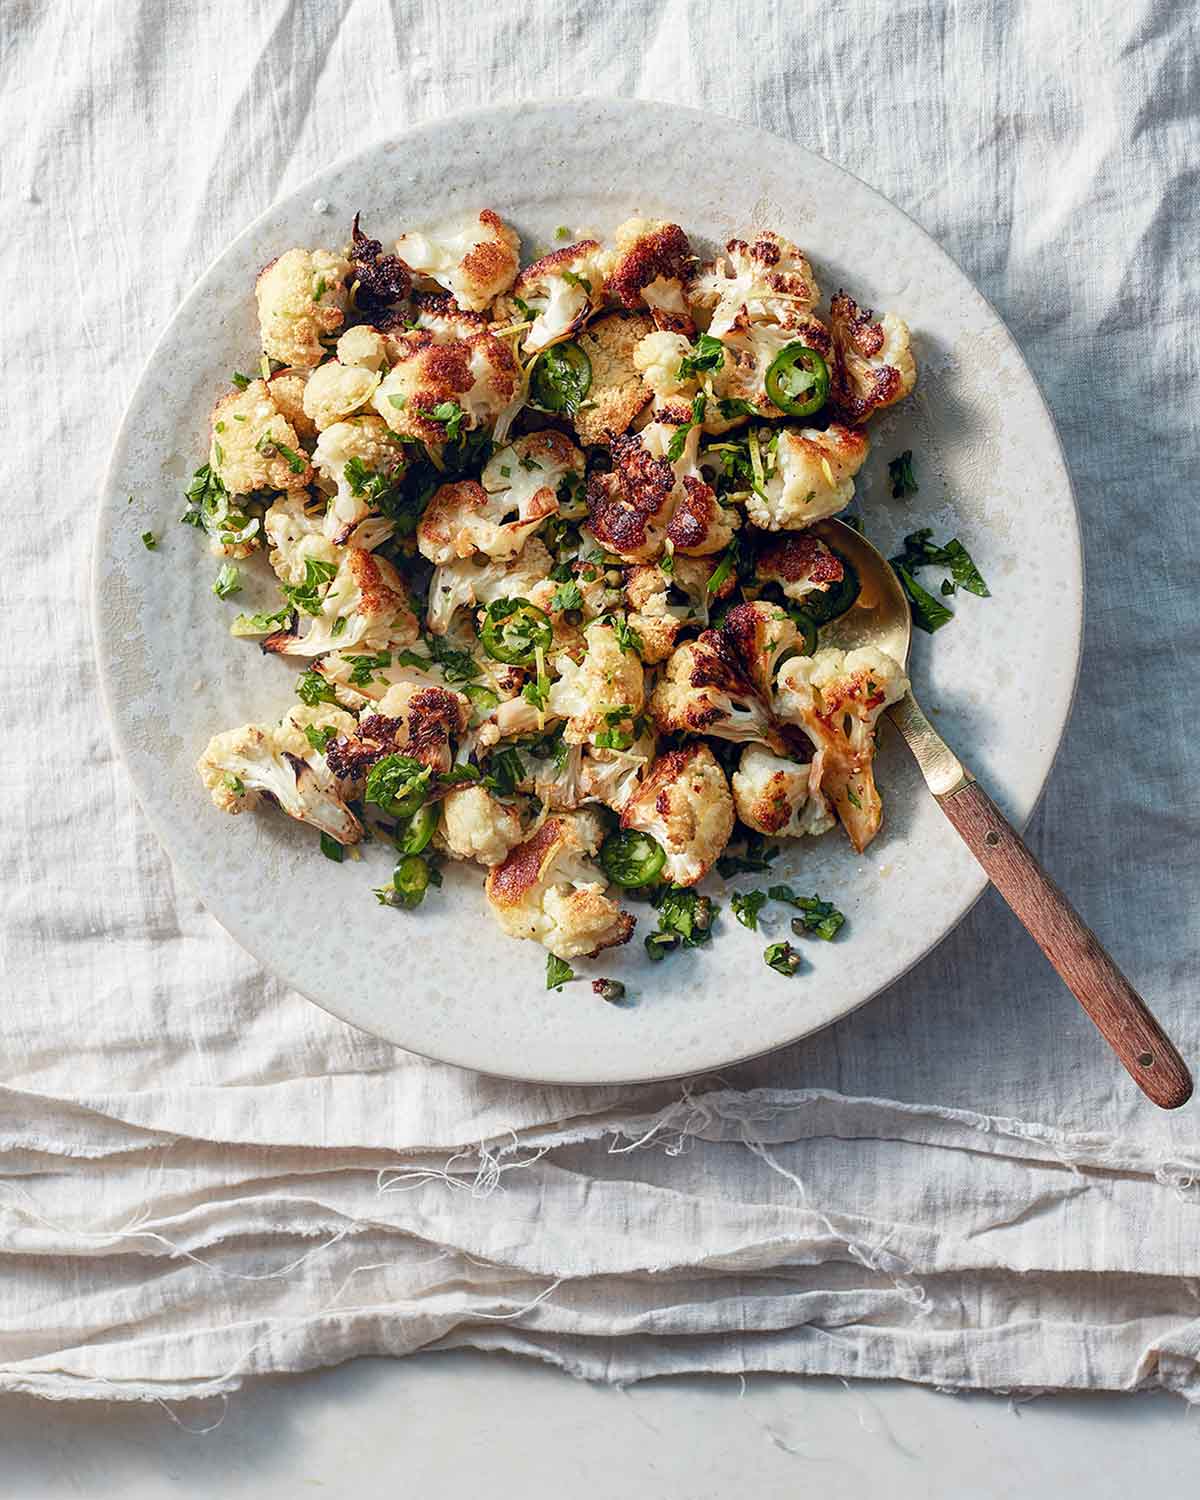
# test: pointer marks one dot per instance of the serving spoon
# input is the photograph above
(881, 617)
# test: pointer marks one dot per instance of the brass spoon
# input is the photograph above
(881, 617)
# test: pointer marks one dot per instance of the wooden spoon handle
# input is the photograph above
(1114, 1005)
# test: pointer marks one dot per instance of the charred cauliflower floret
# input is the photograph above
(630, 507)
(364, 604)
(466, 581)
(617, 392)
(835, 697)
(243, 765)
(562, 291)
(354, 461)
(811, 476)
(700, 525)
(750, 349)
(295, 532)
(462, 519)
(474, 825)
(764, 280)
(548, 892)
(474, 262)
(758, 635)
(335, 391)
(409, 720)
(874, 365)
(437, 389)
(254, 447)
(779, 796)
(713, 684)
(587, 693)
(800, 563)
(685, 804)
(301, 299)
(649, 266)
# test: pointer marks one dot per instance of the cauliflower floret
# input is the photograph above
(700, 525)
(335, 390)
(563, 289)
(528, 472)
(436, 389)
(587, 692)
(409, 720)
(475, 826)
(365, 605)
(768, 280)
(290, 735)
(780, 796)
(546, 891)
(475, 263)
(812, 477)
(463, 519)
(648, 267)
(465, 581)
(758, 635)
(611, 777)
(286, 388)
(708, 689)
(658, 356)
(750, 351)
(835, 697)
(362, 346)
(617, 392)
(354, 459)
(801, 564)
(685, 804)
(874, 366)
(297, 536)
(301, 298)
(441, 314)
(241, 765)
(553, 773)
(254, 447)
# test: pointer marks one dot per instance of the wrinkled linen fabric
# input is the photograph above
(204, 1178)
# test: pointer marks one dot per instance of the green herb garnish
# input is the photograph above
(819, 917)
(149, 541)
(783, 958)
(331, 849)
(558, 972)
(228, 581)
(746, 907)
(900, 472)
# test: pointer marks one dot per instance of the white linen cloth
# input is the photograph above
(203, 1176)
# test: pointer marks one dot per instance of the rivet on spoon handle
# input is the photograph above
(1119, 1012)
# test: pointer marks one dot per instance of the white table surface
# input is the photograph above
(445, 1425)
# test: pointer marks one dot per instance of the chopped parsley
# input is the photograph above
(558, 972)
(236, 785)
(562, 233)
(319, 289)
(708, 353)
(685, 920)
(319, 738)
(240, 380)
(821, 918)
(261, 624)
(398, 785)
(567, 596)
(783, 958)
(312, 688)
(269, 444)
(505, 771)
(726, 566)
(929, 613)
(331, 849)
(579, 281)
(452, 416)
(307, 596)
(228, 581)
(364, 667)
(679, 441)
(734, 406)
(900, 472)
(746, 907)
(627, 637)
(149, 541)
(758, 856)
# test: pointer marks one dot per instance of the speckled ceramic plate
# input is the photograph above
(444, 981)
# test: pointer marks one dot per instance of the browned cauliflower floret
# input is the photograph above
(562, 290)
(685, 804)
(809, 475)
(409, 719)
(700, 525)
(800, 563)
(465, 581)
(365, 604)
(254, 447)
(587, 693)
(835, 697)
(548, 892)
(764, 280)
(750, 349)
(777, 795)
(649, 266)
(617, 392)
(475, 262)
(242, 765)
(758, 635)
(462, 519)
(713, 684)
(301, 299)
(438, 388)
(874, 365)
(474, 825)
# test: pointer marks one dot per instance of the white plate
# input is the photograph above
(444, 981)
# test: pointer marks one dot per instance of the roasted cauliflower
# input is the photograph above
(301, 300)
(684, 802)
(779, 796)
(475, 263)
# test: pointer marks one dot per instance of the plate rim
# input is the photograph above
(106, 509)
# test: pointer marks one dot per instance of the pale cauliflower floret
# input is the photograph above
(347, 455)
(297, 537)
(648, 267)
(476, 262)
(835, 697)
(546, 891)
(365, 605)
(874, 367)
(553, 778)
(465, 581)
(290, 735)
(586, 692)
(813, 477)
(685, 804)
(611, 777)
(249, 435)
(363, 346)
(776, 795)
(286, 388)
(563, 289)
(241, 765)
(765, 280)
(335, 390)
(476, 377)
(617, 392)
(475, 826)
(658, 356)
(301, 297)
